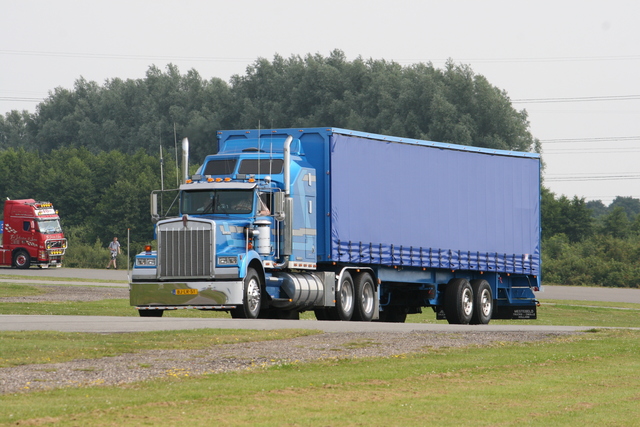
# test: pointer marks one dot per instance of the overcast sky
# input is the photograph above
(577, 62)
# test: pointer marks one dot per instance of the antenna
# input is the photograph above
(175, 143)
(271, 151)
(161, 178)
(259, 132)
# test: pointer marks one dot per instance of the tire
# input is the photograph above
(21, 259)
(151, 313)
(345, 297)
(251, 297)
(458, 302)
(364, 298)
(482, 302)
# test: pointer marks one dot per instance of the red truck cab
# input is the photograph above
(31, 235)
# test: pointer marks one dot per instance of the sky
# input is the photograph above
(573, 65)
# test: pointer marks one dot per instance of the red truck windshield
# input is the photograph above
(49, 226)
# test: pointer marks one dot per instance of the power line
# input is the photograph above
(122, 56)
(592, 177)
(592, 151)
(577, 99)
(593, 139)
(20, 99)
(231, 59)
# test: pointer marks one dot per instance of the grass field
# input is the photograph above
(587, 379)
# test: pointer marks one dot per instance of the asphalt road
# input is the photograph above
(132, 324)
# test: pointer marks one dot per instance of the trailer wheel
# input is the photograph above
(344, 298)
(458, 301)
(252, 297)
(364, 298)
(21, 259)
(482, 302)
(151, 313)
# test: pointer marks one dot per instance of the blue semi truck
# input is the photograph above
(351, 225)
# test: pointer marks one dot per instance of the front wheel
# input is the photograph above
(21, 259)
(251, 299)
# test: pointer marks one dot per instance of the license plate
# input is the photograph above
(185, 292)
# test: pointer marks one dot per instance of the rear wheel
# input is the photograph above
(345, 297)
(251, 299)
(458, 301)
(482, 302)
(21, 259)
(364, 297)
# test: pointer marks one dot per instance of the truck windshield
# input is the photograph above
(49, 226)
(217, 202)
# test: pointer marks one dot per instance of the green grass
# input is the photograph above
(57, 279)
(10, 290)
(589, 379)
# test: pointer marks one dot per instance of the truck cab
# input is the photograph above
(31, 235)
(243, 213)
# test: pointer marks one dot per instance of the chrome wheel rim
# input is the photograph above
(346, 296)
(467, 302)
(485, 302)
(253, 295)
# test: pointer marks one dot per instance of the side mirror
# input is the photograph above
(278, 206)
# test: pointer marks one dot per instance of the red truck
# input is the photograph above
(31, 235)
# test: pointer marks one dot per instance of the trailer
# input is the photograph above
(351, 225)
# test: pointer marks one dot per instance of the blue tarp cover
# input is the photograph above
(414, 205)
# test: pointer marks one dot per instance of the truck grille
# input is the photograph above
(185, 251)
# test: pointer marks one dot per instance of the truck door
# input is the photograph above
(310, 228)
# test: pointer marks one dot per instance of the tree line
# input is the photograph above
(590, 244)
(417, 101)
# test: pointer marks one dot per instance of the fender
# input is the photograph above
(243, 263)
(339, 275)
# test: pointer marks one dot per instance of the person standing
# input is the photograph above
(114, 247)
